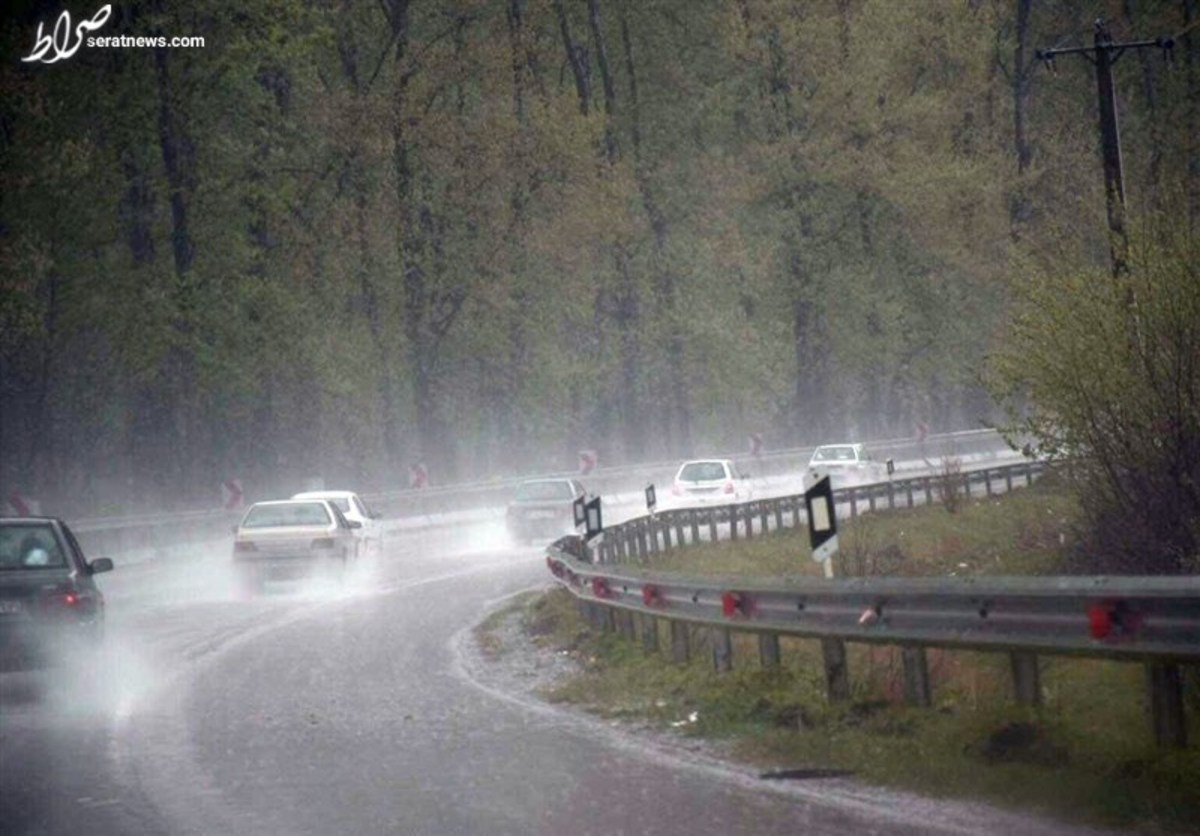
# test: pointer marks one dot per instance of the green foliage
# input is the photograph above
(407, 239)
(1105, 371)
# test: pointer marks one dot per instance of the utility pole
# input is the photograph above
(1103, 54)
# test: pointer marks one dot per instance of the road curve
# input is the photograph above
(319, 710)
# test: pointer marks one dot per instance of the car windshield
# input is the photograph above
(702, 472)
(30, 546)
(528, 491)
(842, 453)
(287, 514)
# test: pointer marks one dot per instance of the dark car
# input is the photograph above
(49, 603)
(543, 508)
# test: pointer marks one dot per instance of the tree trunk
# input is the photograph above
(578, 59)
(677, 408)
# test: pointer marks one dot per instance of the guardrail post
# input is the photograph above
(649, 633)
(681, 650)
(733, 522)
(652, 530)
(891, 494)
(712, 525)
(908, 492)
(764, 511)
(796, 512)
(837, 678)
(722, 649)
(1027, 679)
(679, 529)
(916, 677)
(853, 503)
(1166, 704)
(928, 490)
(987, 482)
(1028, 475)
(871, 498)
(624, 623)
(778, 503)
(694, 518)
(643, 548)
(768, 650)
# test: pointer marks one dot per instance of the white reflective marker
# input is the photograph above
(820, 520)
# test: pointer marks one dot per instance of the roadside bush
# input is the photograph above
(1106, 371)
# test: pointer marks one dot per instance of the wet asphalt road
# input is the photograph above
(322, 710)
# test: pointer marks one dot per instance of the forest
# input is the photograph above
(343, 237)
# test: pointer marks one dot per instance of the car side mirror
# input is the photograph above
(353, 523)
(100, 564)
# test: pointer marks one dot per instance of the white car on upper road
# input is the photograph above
(354, 510)
(705, 482)
(844, 464)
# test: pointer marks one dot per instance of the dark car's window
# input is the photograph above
(544, 490)
(292, 513)
(702, 472)
(30, 546)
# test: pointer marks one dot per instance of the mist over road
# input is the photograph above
(318, 709)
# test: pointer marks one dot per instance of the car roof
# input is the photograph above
(325, 495)
(706, 461)
(540, 481)
(292, 501)
(855, 444)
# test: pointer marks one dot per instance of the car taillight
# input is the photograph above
(323, 543)
(72, 600)
(243, 546)
(729, 487)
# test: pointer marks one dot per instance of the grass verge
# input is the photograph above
(1085, 755)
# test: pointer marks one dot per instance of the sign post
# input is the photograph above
(651, 499)
(822, 523)
(579, 508)
(232, 494)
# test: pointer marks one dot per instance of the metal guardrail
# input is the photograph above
(641, 537)
(1140, 619)
(1153, 620)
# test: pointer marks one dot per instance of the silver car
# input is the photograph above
(293, 538)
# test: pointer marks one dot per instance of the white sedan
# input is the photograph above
(354, 510)
(844, 464)
(710, 482)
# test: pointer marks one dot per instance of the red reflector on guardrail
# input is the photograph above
(652, 596)
(600, 588)
(733, 604)
(1100, 621)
